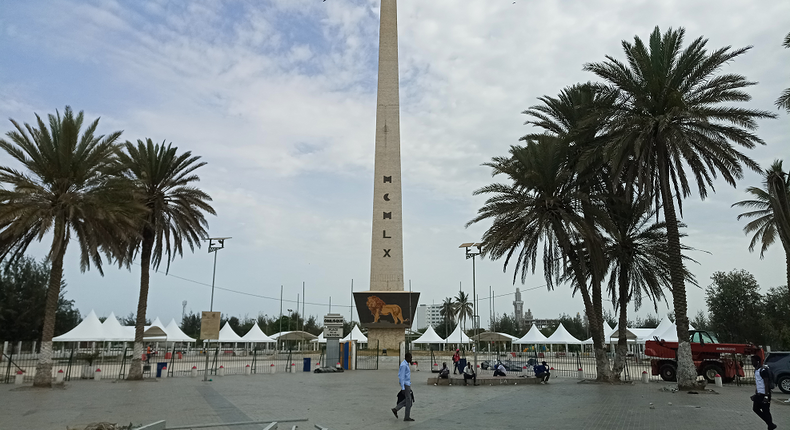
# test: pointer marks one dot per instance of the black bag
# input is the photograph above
(768, 378)
(402, 396)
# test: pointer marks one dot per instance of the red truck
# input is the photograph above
(710, 357)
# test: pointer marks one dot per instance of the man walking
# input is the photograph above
(762, 397)
(404, 378)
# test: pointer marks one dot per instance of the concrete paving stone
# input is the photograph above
(362, 399)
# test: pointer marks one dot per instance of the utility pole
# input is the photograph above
(471, 253)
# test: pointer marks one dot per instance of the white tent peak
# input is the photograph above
(113, 330)
(458, 336)
(174, 333)
(429, 336)
(256, 335)
(356, 334)
(533, 336)
(89, 329)
(561, 336)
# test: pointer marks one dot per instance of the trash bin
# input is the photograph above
(461, 365)
(159, 367)
(306, 365)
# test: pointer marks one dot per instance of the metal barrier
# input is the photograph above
(368, 358)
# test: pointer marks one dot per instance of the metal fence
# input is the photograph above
(71, 363)
(566, 365)
(367, 358)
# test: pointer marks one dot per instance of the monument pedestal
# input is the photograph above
(388, 338)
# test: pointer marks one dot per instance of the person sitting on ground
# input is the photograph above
(499, 370)
(469, 373)
(444, 373)
(542, 372)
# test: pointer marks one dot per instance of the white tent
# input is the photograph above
(458, 336)
(356, 334)
(533, 337)
(429, 336)
(614, 337)
(174, 333)
(113, 331)
(562, 337)
(319, 339)
(89, 330)
(226, 334)
(256, 335)
(662, 327)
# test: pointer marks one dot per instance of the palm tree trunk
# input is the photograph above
(43, 376)
(686, 371)
(594, 318)
(622, 341)
(136, 368)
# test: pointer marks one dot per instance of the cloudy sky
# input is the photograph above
(278, 96)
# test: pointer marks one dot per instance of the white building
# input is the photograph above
(426, 315)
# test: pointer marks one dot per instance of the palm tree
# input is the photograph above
(578, 117)
(770, 213)
(784, 100)
(447, 311)
(462, 308)
(670, 118)
(70, 189)
(163, 183)
(636, 248)
(539, 211)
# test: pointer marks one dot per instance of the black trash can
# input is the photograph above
(159, 367)
(306, 365)
(461, 365)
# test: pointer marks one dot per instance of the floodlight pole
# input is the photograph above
(471, 253)
(214, 245)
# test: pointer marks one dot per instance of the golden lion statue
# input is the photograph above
(378, 308)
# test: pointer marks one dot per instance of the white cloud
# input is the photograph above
(279, 98)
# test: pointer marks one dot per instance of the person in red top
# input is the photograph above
(456, 359)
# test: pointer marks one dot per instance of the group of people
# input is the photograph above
(406, 396)
(763, 379)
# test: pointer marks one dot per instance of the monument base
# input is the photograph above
(388, 338)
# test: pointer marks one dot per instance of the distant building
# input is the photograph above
(539, 323)
(518, 309)
(427, 315)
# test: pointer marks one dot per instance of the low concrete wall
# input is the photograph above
(486, 380)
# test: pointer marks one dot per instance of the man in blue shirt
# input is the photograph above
(404, 378)
(542, 372)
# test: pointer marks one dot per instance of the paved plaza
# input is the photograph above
(362, 399)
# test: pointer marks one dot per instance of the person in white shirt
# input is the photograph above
(404, 378)
(499, 370)
(762, 396)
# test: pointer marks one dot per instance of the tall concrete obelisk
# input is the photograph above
(386, 259)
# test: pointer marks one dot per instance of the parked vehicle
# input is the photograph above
(710, 357)
(779, 362)
(510, 366)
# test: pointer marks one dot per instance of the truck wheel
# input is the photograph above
(668, 372)
(784, 384)
(710, 371)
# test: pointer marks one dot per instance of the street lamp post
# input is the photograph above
(471, 252)
(214, 245)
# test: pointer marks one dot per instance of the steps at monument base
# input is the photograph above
(486, 380)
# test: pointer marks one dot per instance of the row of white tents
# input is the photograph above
(91, 329)
(666, 330)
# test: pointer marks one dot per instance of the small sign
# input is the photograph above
(333, 332)
(209, 325)
(333, 319)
